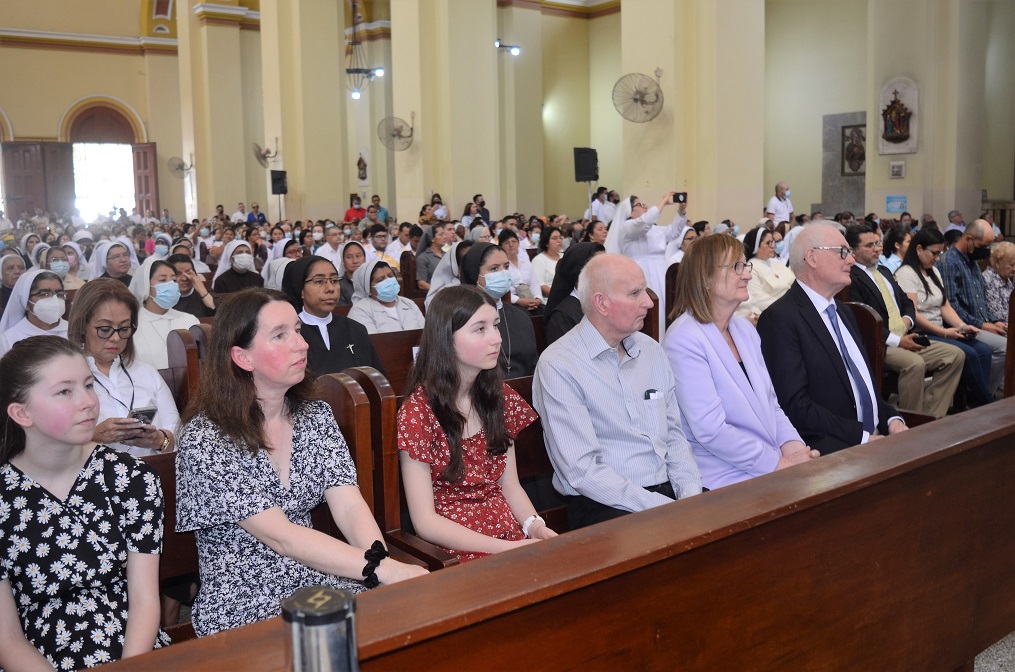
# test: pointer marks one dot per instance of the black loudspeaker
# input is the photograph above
(279, 185)
(586, 165)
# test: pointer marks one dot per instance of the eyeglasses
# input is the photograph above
(937, 254)
(872, 245)
(321, 281)
(843, 251)
(46, 294)
(106, 332)
(740, 266)
(117, 257)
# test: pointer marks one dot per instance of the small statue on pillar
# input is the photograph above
(361, 168)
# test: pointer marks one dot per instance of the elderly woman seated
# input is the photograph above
(377, 305)
(770, 278)
(728, 406)
(998, 278)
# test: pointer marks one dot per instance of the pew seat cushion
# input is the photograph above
(220, 484)
(475, 501)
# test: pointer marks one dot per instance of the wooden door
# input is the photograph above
(58, 158)
(24, 176)
(146, 178)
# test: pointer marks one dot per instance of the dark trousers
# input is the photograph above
(582, 511)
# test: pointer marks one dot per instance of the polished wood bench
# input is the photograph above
(895, 555)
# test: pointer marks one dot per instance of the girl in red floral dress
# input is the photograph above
(455, 433)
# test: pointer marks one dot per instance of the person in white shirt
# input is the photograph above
(35, 308)
(332, 247)
(779, 206)
(154, 286)
(241, 213)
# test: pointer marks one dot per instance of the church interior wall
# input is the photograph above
(605, 125)
(815, 64)
(999, 107)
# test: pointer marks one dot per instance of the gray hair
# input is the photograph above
(812, 235)
(595, 277)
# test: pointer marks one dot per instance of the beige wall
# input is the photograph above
(999, 106)
(97, 17)
(565, 111)
(605, 124)
(815, 64)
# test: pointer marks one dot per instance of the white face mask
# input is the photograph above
(243, 262)
(49, 311)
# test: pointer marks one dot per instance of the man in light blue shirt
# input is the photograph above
(606, 396)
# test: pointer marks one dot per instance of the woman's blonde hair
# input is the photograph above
(698, 272)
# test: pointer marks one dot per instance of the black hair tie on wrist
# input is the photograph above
(373, 556)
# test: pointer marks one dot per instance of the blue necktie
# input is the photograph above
(866, 408)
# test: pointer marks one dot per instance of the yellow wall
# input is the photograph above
(999, 107)
(815, 64)
(605, 124)
(96, 17)
(565, 111)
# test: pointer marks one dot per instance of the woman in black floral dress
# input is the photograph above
(256, 455)
(80, 525)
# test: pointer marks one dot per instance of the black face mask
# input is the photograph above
(980, 253)
(481, 203)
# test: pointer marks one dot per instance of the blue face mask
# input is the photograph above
(167, 294)
(387, 290)
(736, 229)
(162, 250)
(780, 246)
(497, 284)
(789, 192)
(288, 236)
(61, 268)
(205, 232)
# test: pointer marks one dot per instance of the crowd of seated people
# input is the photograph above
(761, 368)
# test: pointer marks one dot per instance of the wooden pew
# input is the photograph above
(895, 555)
(184, 363)
(407, 265)
(387, 484)
(671, 290)
(651, 326)
(395, 350)
(69, 302)
(534, 468)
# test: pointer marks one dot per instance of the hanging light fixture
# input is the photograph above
(512, 49)
(357, 72)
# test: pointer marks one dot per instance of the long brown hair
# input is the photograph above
(436, 371)
(19, 373)
(227, 395)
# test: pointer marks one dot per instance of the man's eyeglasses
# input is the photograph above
(872, 245)
(105, 332)
(740, 266)
(843, 251)
(321, 281)
(46, 294)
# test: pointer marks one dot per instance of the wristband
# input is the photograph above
(528, 523)
(165, 441)
(373, 556)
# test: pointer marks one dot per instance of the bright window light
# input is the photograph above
(103, 179)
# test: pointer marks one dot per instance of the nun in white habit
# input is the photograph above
(634, 233)
(376, 303)
(446, 274)
(39, 316)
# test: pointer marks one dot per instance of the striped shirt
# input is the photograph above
(965, 288)
(611, 425)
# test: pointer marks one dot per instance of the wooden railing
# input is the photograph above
(894, 555)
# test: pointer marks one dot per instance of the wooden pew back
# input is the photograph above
(891, 555)
(407, 267)
(671, 290)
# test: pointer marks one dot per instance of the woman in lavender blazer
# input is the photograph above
(728, 407)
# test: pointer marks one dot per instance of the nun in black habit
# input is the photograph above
(486, 265)
(563, 310)
(336, 342)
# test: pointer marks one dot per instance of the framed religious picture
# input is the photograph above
(854, 150)
(897, 169)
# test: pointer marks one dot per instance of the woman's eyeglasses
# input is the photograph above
(740, 267)
(106, 332)
(47, 294)
(322, 281)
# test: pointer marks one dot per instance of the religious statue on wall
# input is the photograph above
(898, 119)
(361, 168)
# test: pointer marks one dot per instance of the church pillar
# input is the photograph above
(708, 139)
(303, 79)
(210, 79)
(444, 67)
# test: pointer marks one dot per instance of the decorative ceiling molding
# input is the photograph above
(581, 9)
(211, 13)
(107, 44)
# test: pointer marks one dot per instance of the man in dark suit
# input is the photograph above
(908, 355)
(814, 354)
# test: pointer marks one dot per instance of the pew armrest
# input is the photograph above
(914, 419)
(434, 556)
